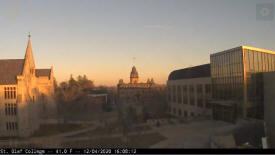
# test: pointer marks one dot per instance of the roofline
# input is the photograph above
(11, 59)
(44, 68)
(177, 80)
(244, 47)
(9, 84)
(258, 49)
(225, 51)
(189, 67)
(186, 69)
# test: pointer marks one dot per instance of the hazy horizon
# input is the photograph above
(99, 38)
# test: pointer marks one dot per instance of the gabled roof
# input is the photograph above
(43, 72)
(9, 69)
(191, 72)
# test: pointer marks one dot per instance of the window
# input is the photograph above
(179, 112)
(191, 89)
(191, 94)
(169, 93)
(192, 100)
(199, 88)
(11, 126)
(10, 92)
(199, 95)
(260, 61)
(15, 109)
(247, 61)
(251, 61)
(184, 90)
(6, 109)
(174, 93)
(10, 109)
(179, 94)
(16, 126)
(208, 88)
(200, 102)
(185, 113)
(44, 100)
(256, 61)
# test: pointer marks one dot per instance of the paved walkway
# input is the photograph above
(192, 135)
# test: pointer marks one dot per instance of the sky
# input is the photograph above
(100, 38)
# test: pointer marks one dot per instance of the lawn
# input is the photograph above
(82, 115)
(137, 141)
(54, 129)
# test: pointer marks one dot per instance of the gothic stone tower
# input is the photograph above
(23, 90)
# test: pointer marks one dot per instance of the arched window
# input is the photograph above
(179, 112)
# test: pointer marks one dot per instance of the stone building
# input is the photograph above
(135, 91)
(189, 92)
(25, 94)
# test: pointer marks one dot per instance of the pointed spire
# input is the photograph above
(29, 55)
(29, 47)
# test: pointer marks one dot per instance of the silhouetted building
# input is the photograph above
(189, 91)
(237, 84)
(135, 91)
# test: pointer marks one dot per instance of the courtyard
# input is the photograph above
(179, 134)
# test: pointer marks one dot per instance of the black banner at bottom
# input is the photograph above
(132, 151)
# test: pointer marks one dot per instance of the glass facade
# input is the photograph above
(227, 75)
(236, 75)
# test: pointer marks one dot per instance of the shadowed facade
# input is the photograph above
(189, 92)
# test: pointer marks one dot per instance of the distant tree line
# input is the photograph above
(69, 93)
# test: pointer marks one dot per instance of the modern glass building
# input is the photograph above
(236, 76)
